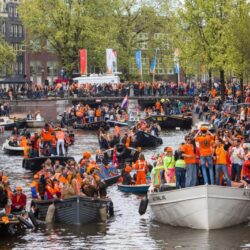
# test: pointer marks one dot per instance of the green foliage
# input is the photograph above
(7, 56)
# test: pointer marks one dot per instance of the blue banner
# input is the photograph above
(153, 64)
(177, 68)
(138, 60)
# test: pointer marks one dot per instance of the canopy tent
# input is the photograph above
(15, 80)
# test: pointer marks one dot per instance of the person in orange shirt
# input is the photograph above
(141, 167)
(221, 162)
(47, 137)
(190, 161)
(205, 139)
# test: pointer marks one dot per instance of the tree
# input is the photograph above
(204, 25)
(7, 56)
(71, 25)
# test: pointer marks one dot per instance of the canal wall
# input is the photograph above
(51, 107)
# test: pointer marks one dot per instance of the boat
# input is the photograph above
(172, 121)
(9, 124)
(10, 150)
(112, 123)
(144, 139)
(76, 210)
(138, 189)
(35, 164)
(92, 125)
(35, 123)
(124, 154)
(109, 175)
(12, 224)
(201, 207)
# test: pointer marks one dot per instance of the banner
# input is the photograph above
(176, 61)
(83, 61)
(153, 64)
(111, 61)
(138, 61)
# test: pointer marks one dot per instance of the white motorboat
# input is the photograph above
(11, 150)
(201, 207)
(6, 122)
(35, 123)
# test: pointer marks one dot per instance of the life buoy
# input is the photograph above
(143, 206)
(120, 149)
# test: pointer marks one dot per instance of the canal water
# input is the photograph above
(127, 229)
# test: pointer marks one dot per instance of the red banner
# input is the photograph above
(83, 61)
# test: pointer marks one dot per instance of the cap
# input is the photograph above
(203, 128)
(86, 154)
(169, 149)
(36, 176)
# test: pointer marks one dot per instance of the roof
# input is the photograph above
(15, 80)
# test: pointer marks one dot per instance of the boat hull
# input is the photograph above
(92, 126)
(35, 164)
(75, 210)
(139, 189)
(35, 124)
(172, 121)
(201, 207)
(12, 150)
(144, 139)
(112, 124)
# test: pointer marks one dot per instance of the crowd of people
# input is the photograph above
(50, 141)
(13, 201)
(215, 153)
(70, 89)
(87, 114)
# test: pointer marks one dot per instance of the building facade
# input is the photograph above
(13, 33)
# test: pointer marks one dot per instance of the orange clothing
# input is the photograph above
(117, 130)
(221, 155)
(127, 144)
(24, 142)
(26, 152)
(141, 167)
(205, 144)
(140, 178)
(46, 135)
(98, 113)
(188, 149)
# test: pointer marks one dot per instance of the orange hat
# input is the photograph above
(86, 154)
(19, 188)
(169, 149)
(4, 178)
(203, 128)
(128, 169)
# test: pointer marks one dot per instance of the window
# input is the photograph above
(20, 31)
(3, 30)
(20, 68)
(12, 27)
(15, 30)
(15, 12)
(170, 71)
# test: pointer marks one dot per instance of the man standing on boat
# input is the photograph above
(190, 160)
(205, 139)
(141, 167)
